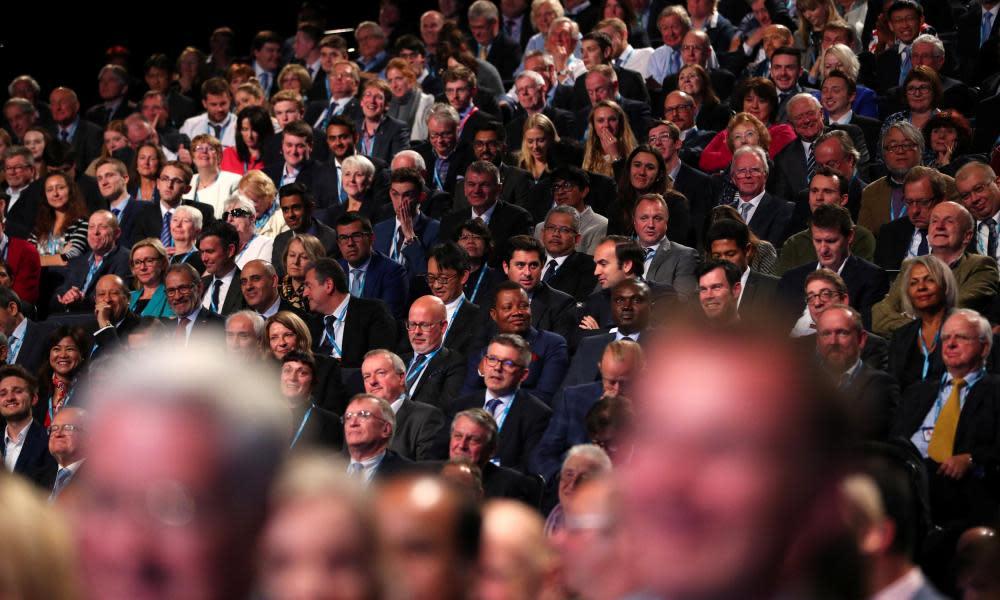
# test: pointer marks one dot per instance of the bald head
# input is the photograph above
(427, 322)
(516, 556)
(679, 108)
(111, 292)
(259, 284)
(408, 159)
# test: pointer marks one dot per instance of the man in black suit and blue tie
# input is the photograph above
(409, 236)
(434, 372)
(371, 274)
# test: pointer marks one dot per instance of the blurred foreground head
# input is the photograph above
(185, 444)
(737, 455)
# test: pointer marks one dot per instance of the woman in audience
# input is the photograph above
(236, 75)
(582, 462)
(115, 138)
(840, 58)
(949, 135)
(301, 250)
(712, 113)
(285, 331)
(146, 165)
(60, 231)
(148, 260)
(759, 97)
(644, 172)
(259, 188)
(539, 136)
(185, 226)
(813, 17)
(191, 71)
(295, 77)
(210, 184)
(249, 93)
(476, 239)
(408, 104)
(543, 12)
(59, 376)
(255, 128)
(241, 213)
(931, 294)
(358, 173)
(763, 255)
(37, 139)
(453, 51)
(623, 9)
(921, 97)
(609, 138)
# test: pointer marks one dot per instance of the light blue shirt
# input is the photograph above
(659, 63)
(922, 437)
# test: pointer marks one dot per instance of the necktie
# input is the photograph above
(675, 61)
(14, 344)
(181, 331)
(165, 238)
(943, 438)
(415, 369)
(648, 252)
(904, 66)
(116, 212)
(397, 253)
(492, 405)
(923, 248)
(329, 325)
(216, 288)
(265, 81)
(745, 208)
(95, 264)
(64, 134)
(482, 52)
(550, 271)
(355, 469)
(810, 163)
(357, 282)
(62, 478)
(991, 243)
(984, 32)
(216, 131)
(508, 26)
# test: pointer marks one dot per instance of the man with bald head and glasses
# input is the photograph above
(906, 237)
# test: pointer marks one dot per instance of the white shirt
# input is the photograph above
(755, 202)
(338, 327)
(548, 262)
(397, 403)
(14, 195)
(13, 446)
(743, 285)
(619, 336)
(500, 412)
(227, 280)
(845, 119)
(487, 214)
(915, 244)
(368, 466)
(190, 324)
(903, 588)
(452, 307)
(18, 333)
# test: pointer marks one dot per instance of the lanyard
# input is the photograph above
(437, 178)
(413, 377)
(465, 119)
(184, 257)
(250, 241)
(332, 339)
(926, 352)
(302, 427)
(479, 281)
(65, 402)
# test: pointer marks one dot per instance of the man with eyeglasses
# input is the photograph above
(434, 372)
(446, 160)
(371, 273)
(24, 193)
(369, 423)
(183, 286)
(948, 421)
(929, 51)
(521, 417)
(681, 109)
(410, 234)
(26, 446)
(950, 233)
(415, 435)
(105, 257)
(979, 193)
(882, 199)
(549, 356)
(767, 215)
(905, 19)
(532, 93)
(154, 218)
(665, 136)
(114, 317)
(68, 446)
(571, 188)
(906, 237)
(567, 267)
(516, 185)
(447, 274)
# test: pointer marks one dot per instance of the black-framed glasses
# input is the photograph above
(357, 236)
(559, 228)
(412, 325)
(237, 213)
(147, 262)
(824, 295)
(181, 289)
(442, 279)
(508, 365)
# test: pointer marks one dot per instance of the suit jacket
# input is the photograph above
(874, 398)
(790, 164)
(108, 339)
(697, 188)
(391, 137)
(415, 254)
(770, 219)
(234, 295)
(975, 64)
(113, 263)
(887, 68)
(504, 53)
(502, 482)
(324, 233)
(320, 178)
(893, 243)
(25, 267)
(34, 347)
(367, 325)
(551, 310)
(637, 112)
(631, 86)
(322, 428)
(101, 116)
(473, 124)
(871, 129)
(584, 367)
(416, 433)
(566, 428)
(674, 264)
(87, 141)
(20, 220)
(759, 293)
(462, 332)
(576, 276)
(549, 362)
(522, 428)
(149, 217)
(562, 119)
(479, 287)
(441, 380)
(35, 462)
(694, 144)
(459, 160)
(516, 187)
(507, 220)
(181, 108)
(799, 250)
(393, 464)
(987, 123)
(385, 280)
(802, 214)
(317, 114)
(866, 284)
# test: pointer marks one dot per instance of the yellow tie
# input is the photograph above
(943, 439)
(482, 52)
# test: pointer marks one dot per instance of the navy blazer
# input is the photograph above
(566, 429)
(697, 188)
(866, 284)
(415, 254)
(522, 428)
(34, 347)
(549, 362)
(149, 217)
(391, 137)
(584, 367)
(113, 263)
(385, 280)
(770, 219)
(35, 462)
(320, 178)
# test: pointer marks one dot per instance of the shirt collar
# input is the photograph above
(398, 403)
(342, 306)
(487, 215)
(19, 440)
(21, 328)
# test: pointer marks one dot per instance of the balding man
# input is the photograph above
(245, 335)
(114, 318)
(68, 445)
(67, 126)
(428, 535)
(949, 235)
(767, 215)
(906, 237)
(369, 423)
(473, 437)
(434, 373)
(105, 257)
(680, 108)
(517, 560)
(979, 193)
(259, 286)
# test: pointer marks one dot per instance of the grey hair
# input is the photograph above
(981, 323)
(846, 143)
(29, 79)
(535, 77)
(256, 321)
(362, 162)
(483, 9)
(573, 26)
(909, 131)
(803, 97)
(239, 200)
(591, 452)
(23, 105)
(196, 217)
(373, 26)
(940, 274)
(562, 209)
(512, 340)
(933, 40)
(545, 56)
(483, 419)
(444, 112)
(20, 151)
(384, 408)
(418, 161)
(397, 363)
(756, 151)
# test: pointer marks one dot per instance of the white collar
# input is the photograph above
(398, 403)
(756, 199)
(904, 587)
(20, 329)
(487, 214)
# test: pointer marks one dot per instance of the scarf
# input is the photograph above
(404, 108)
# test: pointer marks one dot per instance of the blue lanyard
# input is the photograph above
(437, 176)
(302, 427)
(503, 417)
(185, 256)
(479, 282)
(926, 352)
(332, 339)
(245, 247)
(413, 377)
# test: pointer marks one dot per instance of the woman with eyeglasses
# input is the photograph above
(240, 213)
(759, 97)
(210, 184)
(285, 332)
(148, 261)
(60, 231)
(258, 187)
(58, 377)
(301, 250)
(185, 226)
(148, 161)
(922, 93)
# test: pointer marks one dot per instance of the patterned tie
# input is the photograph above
(64, 134)
(216, 289)
(810, 163)
(357, 282)
(62, 478)
(265, 81)
(984, 32)
(550, 271)
(415, 369)
(165, 238)
(397, 252)
(648, 253)
(675, 61)
(943, 438)
(492, 405)
(745, 208)
(904, 66)
(482, 52)
(14, 344)
(329, 325)
(991, 244)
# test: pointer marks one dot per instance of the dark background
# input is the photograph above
(63, 44)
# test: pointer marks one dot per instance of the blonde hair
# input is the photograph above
(256, 184)
(535, 121)
(594, 159)
(205, 138)
(851, 65)
(161, 253)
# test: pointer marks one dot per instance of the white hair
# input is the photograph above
(593, 453)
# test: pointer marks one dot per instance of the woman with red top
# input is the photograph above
(255, 127)
(57, 379)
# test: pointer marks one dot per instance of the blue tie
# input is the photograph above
(94, 266)
(397, 253)
(415, 369)
(165, 238)
(923, 248)
(265, 81)
(984, 32)
(904, 66)
(62, 478)
(492, 405)
(357, 282)
(675, 61)
(329, 325)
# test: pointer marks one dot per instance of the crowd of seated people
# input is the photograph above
(519, 299)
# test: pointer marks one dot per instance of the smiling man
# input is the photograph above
(473, 438)
(26, 449)
(551, 309)
(106, 257)
(666, 262)
(719, 291)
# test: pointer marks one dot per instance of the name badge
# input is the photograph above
(927, 433)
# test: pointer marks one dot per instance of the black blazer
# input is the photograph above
(87, 141)
(516, 187)
(576, 276)
(392, 136)
(631, 86)
(501, 482)
(866, 283)
(759, 293)
(392, 465)
(887, 67)
(562, 119)
(490, 278)
(108, 339)
(329, 391)
(507, 220)
(790, 164)
(770, 219)
(893, 243)
(460, 159)
(694, 144)
(697, 188)
(416, 435)
(874, 398)
(473, 124)
(322, 429)
(101, 116)
(35, 462)
(367, 325)
(149, 218)
(505, 53)
(34, 347)
(442, 378)
(316, 109)
(234, 295)
(20, 221)
(521, 430)
(551, 310)
(320, 178)
(987, 122)
(975, 64)
(461, 337)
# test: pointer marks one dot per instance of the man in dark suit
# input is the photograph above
(905, 19)
(515, 183)
(492, 44)
(832, 233)
(767, 215)
(68, 126)
(27, 341)
(696, 186)
(976, 64)
(26, 444)
(343, 81)
(597, 50)
(786, 71)
(473, 437)
(217, 245)
(258, 282)
(297, 207)
(834, 149)
(729, 240)
(565, 269)
(68, 446)
(381, 136)
(521, 417)
(184, 294)
(631, 303)
(409, 236)
(105, 256)
(602, 83)
(114, 319)
(445, 159)
(24, 193)
(344, 327)
(548, 357)
(482, 191)
(369, 424)
(415, 435)
(953, 424)
(620, 363)
(532, 98)
(447, 274)
(460, 87)
(371, 273)
(923, 189)
(112, 181)
(840, 339)
(695, 49)
(929, 51)
(987, 124)
(112, 87)
(434, 372)
(153, 218)
(297, 143)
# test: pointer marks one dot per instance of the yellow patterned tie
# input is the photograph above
(943, 438)
(482, 52)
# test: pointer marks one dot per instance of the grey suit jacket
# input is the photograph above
(416, 434)
(674, 264)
